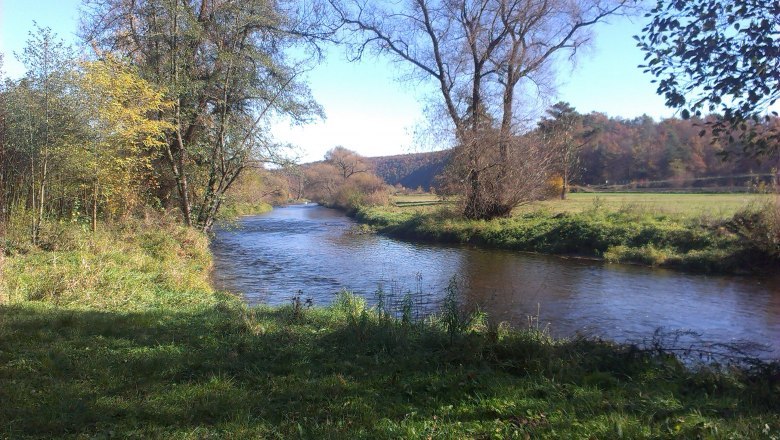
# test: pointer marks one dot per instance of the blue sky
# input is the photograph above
(367, 109)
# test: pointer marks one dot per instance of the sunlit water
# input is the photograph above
(315, 252)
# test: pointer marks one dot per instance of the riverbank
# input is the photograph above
(119, 334)
(232, 211)
(691, 243)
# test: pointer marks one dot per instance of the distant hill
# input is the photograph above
(410, 170)
(629, 154)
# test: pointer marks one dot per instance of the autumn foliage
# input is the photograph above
(79, 139)
(616, 153)
(345, 180)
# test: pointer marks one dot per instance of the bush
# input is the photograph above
(760, 226)
(362, 189)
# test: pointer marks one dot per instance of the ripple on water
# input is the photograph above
(270, 258)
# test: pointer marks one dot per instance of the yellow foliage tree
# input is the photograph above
(124, 134)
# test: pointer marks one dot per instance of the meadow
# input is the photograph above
(715, 205)
(118, 334)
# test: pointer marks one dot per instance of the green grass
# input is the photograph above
(127, 267)
(232, 211)
(718, 206)
(144, 348)
(711, 205)
(612, 229)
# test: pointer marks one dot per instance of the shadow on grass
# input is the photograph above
(229, 371)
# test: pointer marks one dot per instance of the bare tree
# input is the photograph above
(347, 161)
(322, 181)
(480, 54)
(344, 180)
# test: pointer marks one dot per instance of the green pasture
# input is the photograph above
(718, 206)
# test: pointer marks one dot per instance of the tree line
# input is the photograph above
(677, 151)
(411, 170)
(598, 150)
(77, 139)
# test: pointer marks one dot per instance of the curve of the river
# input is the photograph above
(315, 252)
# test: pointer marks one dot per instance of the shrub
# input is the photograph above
(362, 189)
(760, 226)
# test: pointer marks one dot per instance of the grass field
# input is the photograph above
(712, 205)
(717, 206)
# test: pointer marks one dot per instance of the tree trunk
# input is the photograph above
(178, 164)
(94, 206)
(177, 167)
(565, 184)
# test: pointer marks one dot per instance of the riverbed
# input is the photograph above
(314, 252)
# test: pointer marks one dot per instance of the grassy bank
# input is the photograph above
(616, 231)
(232, 211)
(120, 335)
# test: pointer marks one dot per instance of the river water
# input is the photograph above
(315, 252)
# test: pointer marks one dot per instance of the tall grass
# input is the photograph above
(135, 265)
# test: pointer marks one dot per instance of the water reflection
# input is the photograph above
(315, 250)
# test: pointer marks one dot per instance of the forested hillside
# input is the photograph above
(410, 170)
(623, 154)
(671, 153)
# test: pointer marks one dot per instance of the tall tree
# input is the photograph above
(121, 138)
(40, 116)
(719, 56)
(480, 54)
(226, 68)
(563, 132)
(3, 141)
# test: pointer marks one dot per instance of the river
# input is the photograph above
(315, 252)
